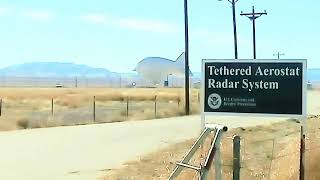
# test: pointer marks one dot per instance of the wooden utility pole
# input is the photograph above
(186, 67)
(233, 3)
(253, 16)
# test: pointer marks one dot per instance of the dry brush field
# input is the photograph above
(32, 107)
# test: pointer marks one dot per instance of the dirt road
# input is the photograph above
(86, 152)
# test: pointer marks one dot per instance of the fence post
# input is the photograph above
(51, 106)
(0, 106)
(178, 105)
(94, 108)
(236, 157)
(155, 106)
(127, 107)
(271, 158)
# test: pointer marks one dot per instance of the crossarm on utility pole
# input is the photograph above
(253, 16)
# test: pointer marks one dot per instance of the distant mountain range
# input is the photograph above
(54, 69)
(57, 69)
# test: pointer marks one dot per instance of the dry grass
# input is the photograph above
(31, 107)
(260, 159)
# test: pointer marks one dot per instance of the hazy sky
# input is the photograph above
(116, 34)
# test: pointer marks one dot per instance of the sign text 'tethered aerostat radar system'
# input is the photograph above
(254, 87)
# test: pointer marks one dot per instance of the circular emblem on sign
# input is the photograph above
(214, 101)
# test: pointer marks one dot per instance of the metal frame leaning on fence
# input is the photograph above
(301, 117)
(214, 152)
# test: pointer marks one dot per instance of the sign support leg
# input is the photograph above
(302, 149)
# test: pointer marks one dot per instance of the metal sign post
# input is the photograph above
(303, 130)
(302, 154)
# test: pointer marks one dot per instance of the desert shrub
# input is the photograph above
(23, 123)
(73, 101)
(123, 113)
(110, 97)
(141, 98)
(168, 97)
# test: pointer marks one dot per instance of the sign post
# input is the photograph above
(271, 88)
